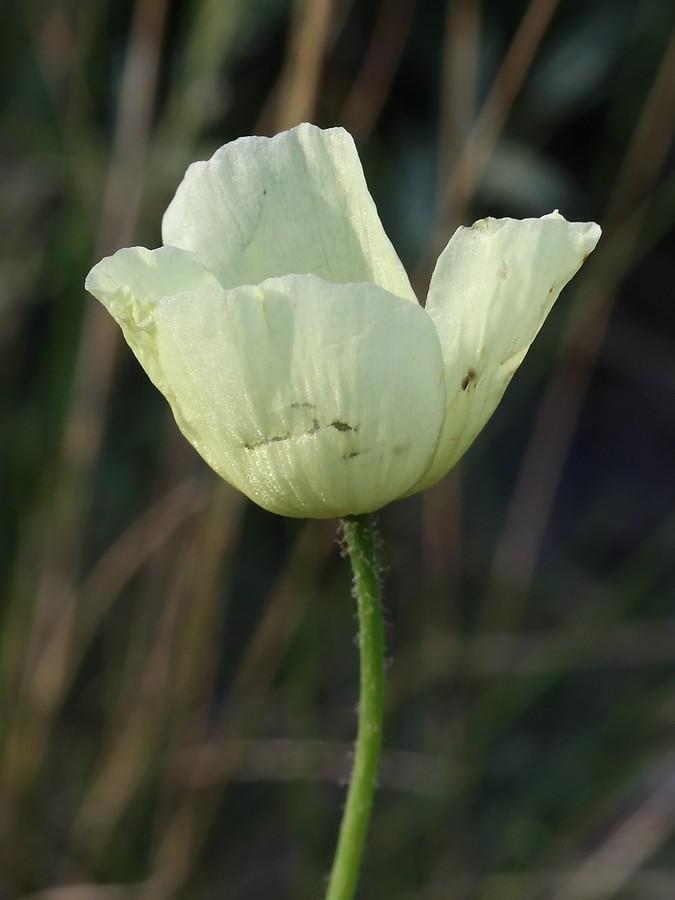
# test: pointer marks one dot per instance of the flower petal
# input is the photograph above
(292, 204)
(129, 285)
(314, 399)
(493, 286)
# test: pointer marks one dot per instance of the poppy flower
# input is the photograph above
(280, 325)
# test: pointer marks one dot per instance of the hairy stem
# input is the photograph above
(360, 542)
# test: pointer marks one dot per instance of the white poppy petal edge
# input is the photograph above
(295, 203)
(132, 281)
(491, 290)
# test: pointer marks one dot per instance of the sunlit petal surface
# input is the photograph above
(492, 288)
(130, 283)
(314, 399)
(293, 204)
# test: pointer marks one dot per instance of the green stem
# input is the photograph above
(360, 541)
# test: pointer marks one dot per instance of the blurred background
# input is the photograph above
(178, 674)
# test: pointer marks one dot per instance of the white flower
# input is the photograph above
(280, 325)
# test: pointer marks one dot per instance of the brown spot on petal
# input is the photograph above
(468, 378)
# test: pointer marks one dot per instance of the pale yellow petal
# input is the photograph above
(314, 399)
(292, 204)
(130, 283)
(492, 288)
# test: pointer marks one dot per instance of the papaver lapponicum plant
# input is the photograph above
(282, 328)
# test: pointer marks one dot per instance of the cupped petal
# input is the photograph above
(293, 204)
(314, 399)
(492, 288)
(131, 282)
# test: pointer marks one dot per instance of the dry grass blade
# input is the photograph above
(298, 87)
(59, 543)
(485, 131)
(517, 551)
(632, 841)
(314, 760)
(181, 835)
(461, 49)
(86, 892)
(51, 665)
(370, 88)
(195, 91)
(176, 668)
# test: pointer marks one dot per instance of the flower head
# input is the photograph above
(281, 326)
